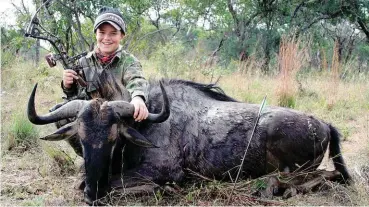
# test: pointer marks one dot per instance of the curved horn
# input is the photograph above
(68, 110)
(165, 109)
(123, 109)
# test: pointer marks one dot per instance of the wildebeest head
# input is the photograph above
(98, 124)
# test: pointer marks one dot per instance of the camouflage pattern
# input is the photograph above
(124, 66)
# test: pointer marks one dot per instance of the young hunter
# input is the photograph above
(110, 29)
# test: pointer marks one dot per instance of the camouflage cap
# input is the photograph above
(111, 16)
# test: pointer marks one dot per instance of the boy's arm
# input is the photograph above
(134, 80)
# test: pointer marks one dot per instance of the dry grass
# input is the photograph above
(334, 77)
(324, 64)
(35, 178)
(250, 67)
(291, 58)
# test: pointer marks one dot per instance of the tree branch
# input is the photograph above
(79, 30)
(25, 9)
(297, 9)
(233, 13)
(329, 16)
(364, 28)
(18, 9)
(150, 33)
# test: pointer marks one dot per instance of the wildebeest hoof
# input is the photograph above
(91, 202)
(88, 200)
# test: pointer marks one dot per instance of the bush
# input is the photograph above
(22, 134)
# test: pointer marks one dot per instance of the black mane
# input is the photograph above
(210, 90)
(108, 87)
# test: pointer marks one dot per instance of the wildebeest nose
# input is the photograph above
(92, 197)
(89, 196)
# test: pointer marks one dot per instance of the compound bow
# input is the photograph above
(37, 31)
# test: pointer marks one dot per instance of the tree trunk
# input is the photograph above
(340, 42)
(265, 67)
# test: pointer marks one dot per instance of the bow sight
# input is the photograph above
(35, 30)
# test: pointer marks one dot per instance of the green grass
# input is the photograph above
(287, 100)
(22, 134)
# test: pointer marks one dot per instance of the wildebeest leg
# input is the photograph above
(295, 142)
(117, 159)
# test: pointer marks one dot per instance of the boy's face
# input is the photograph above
(108, 38)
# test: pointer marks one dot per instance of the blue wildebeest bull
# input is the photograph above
(206, 132)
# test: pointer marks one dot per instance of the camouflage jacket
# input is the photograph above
(125, 67)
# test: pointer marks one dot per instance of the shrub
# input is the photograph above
(22, 134)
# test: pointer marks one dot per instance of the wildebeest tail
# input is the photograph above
(335, 154)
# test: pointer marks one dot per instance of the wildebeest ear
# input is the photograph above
(63, 132)
(136, 137)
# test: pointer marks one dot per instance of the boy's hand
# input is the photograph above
(68, 78)
(141, 111)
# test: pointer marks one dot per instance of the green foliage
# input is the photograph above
(362, 52)
(158, 197)
(13, 44)
(231, 49)
(259, 184)
(346, 132)
(21, 133)
(287, 100)
(248, 27)
(170, 59)
(43, 70)
(6, 58)
(145, 41)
